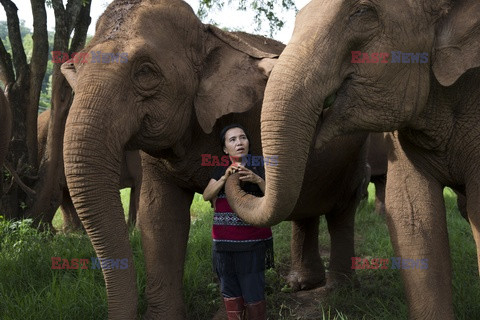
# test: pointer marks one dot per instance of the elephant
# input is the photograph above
(130, 177)
(181, 83)
(5, 125)
(409, 68)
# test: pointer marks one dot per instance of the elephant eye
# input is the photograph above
(362, 11)
(364, 18)
(147, 77)
(144, 71)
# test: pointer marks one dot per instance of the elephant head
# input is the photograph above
(6, 126)
(320, 63)
(153, 72)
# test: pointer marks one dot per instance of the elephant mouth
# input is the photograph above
(329, 101)
(327, 106)
(338, 96)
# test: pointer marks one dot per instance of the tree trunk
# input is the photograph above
(24, 82)
(48, 188)
(51, 169)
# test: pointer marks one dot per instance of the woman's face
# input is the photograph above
(236, 143)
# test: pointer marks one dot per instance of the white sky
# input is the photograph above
(228, 17)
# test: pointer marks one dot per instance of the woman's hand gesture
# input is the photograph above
(248, 175)
(230, 170)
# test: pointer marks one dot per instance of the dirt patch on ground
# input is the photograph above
(303, 304)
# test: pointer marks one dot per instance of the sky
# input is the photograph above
(228, 17)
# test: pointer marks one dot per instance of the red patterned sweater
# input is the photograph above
(229, 232)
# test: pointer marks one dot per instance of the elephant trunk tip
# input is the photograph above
(249, 208)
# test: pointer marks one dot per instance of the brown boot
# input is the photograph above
(257, 310)
(235, 308)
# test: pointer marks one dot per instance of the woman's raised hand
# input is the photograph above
(248, 175)
(231, 170)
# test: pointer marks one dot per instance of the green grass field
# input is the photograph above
(30, 289)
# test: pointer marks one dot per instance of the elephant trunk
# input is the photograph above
(290, 114)
(92, 154)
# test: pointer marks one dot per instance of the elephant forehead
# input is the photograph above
(125, 18)
(175, 20)
(113, 20)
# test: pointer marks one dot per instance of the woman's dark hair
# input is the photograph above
(231, 126)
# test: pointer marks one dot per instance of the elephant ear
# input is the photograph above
(234, 74)
(457, 47)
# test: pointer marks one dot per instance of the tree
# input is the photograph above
(28, 189)
(264, 9)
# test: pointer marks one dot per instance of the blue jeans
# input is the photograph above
(250, 286)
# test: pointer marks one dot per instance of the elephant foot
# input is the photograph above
(336, 280)
(301, 280)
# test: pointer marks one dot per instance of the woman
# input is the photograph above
(241, 252)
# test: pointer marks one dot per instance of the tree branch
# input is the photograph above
(60, 42)
(262, 8)
(38, 66)
(6, 68)
(19, 57)
(17, 179)
(72, 11)
(81, 28)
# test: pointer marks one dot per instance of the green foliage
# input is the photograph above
(199, 277)
(27, 40)
(264, 9)
(24, 32)
(28, 46)
(32, 290)
(3, 30)
(19, 236)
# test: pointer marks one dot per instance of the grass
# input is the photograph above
(30, 289)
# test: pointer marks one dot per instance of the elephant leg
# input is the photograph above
(133, 206)
(307, 270)
(416, 219)
(462, 205)
(164, 222)
(133, 175)
(71, 221)
(340, 222)
(380, 182)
